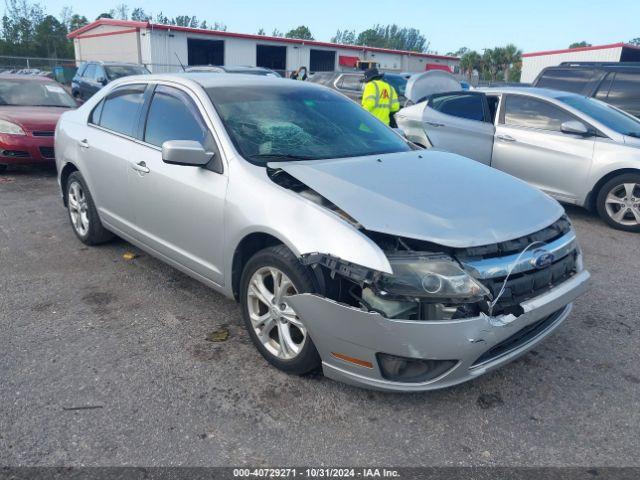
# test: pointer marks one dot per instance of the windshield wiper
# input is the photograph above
(281, 156)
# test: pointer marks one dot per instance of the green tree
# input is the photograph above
(511, 56)
(122, 12)
(302, 32)
(77, 21)
(139, 15)
(579, 44)
(469, 62)
(344, 37)
(392, 36)
(105, 15)
(459, 53)
(50, 39)
(634, 41)
(185, 21)
(261, 31)
(276, 33)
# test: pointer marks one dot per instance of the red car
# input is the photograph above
(29, 110)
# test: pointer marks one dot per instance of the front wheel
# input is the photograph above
(618, 202)
(276, 330)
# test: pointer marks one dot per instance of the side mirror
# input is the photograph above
(185, 152)
(575, 127)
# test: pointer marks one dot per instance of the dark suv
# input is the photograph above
(92, 76)
(615, 83)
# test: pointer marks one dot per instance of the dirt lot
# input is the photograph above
(126, 340)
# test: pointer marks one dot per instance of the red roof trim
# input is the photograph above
(580, 49)
(106, 34)
(158, 26)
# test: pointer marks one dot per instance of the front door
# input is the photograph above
(460, 122)
(530, 145)
(178, 209)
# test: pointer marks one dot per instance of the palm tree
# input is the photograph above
(469, 62)
(511, 56)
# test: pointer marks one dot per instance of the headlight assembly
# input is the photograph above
(425, 276)
(11, 128)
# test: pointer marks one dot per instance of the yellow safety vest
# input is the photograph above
(380, 99)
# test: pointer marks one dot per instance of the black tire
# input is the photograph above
(610, 187)
(96, 233)
(280, 257)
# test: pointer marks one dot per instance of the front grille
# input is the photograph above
(518, 339)
(561, 227)
(527, 285)
(47, 152)
(15, 153)
(43, 133)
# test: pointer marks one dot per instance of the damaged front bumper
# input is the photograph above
(349, 339)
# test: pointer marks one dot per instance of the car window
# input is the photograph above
(398, 82)
(81, 69)
(533, 113)
(173, 116)
(469, 106)
(625, 92)
(99, 73)
(27, 92)
(606, 114)
(566, 79)
(90, 71)
(605, 85)
(118, 71)
(352, 83)
(288, 121)
(121, 108)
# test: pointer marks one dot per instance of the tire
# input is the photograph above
(84, 218)
(621, 193)
(279, 258)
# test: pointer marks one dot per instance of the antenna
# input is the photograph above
(183, 69)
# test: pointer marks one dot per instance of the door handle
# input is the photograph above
(140, 167)
(84, 143)
(506, 138)
(435, 124)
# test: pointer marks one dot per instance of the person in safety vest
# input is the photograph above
(379, 98)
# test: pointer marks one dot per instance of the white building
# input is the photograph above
(163, 47)
(533, 63)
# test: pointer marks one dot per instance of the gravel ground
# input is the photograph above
(83, 327)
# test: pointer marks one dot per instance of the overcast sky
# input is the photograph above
(448, 25)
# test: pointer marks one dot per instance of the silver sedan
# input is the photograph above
(577, 149)
(341, 240)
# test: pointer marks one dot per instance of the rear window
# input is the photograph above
(566, 79)
(117, 71)
(121, 108)
(469, 106)
(625, 92)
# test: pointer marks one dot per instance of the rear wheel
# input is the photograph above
(82, 212)
(618, 202)
(275, 329)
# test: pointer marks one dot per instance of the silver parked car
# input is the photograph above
(577, 149)
(342, 242)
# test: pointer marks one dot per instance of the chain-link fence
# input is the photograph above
(62, 69)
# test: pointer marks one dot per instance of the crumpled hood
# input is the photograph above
(429, 195)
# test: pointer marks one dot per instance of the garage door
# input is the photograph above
(322, 61)
(205, 52)
(272, 57)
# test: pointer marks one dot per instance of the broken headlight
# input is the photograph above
(430, 277)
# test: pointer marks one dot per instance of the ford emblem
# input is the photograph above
(542, 258)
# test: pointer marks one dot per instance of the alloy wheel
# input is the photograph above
(274, 321)
(78, 209)
(623, 204)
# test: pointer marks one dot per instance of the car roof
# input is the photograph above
(26, 78)
(621, 66)
(212, 79)
(532, 91)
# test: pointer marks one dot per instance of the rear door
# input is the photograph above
(85, 81)
(106, 147)
(623, 92)
(530, 145)
(460, 122)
